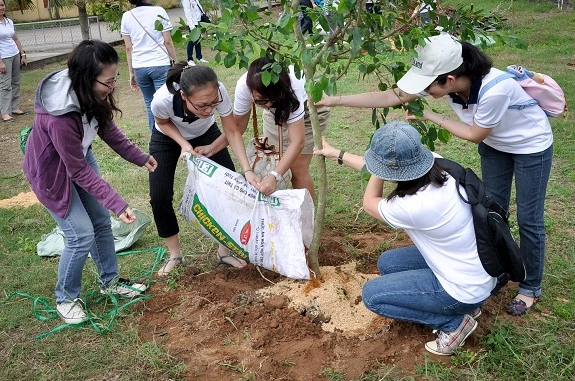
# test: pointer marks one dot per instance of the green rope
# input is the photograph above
(43, 311)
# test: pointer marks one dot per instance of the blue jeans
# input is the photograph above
(408, 290)
(87, 229)
(190, 50)
(149, 80)
(531, 173)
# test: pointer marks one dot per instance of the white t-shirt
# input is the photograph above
(243, 97)
(147, 52)
(192, 11)
(8, 47)
(513, 131)
(440, 225)
(163, 107)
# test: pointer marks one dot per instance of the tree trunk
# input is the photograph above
(83, 15)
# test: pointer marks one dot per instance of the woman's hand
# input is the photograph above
(23, 61)
(327, 150)
(206, 151)
(2, 67)
(133, 83)
(327, 101)
(127, 216)
(187, 148)
(268, 185)
(409, 116)
(151, 164)
(252, 178)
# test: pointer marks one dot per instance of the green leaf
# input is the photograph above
(307, 56)
(444, 135)
(317, 91)
(177, 36)
(266, 78)
(230, 60)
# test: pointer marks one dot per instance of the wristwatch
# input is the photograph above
(276, 175)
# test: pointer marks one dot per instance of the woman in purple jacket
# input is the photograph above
(73, 106)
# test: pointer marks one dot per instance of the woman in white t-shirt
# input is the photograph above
(440, 281)
(12, 55)
(184, 114)
(512, 142)
(149, 52)
(285, 105)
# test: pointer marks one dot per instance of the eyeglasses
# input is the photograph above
(212, 105)
(262, 102)
(110, 86)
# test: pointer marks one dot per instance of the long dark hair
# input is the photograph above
(85, 64)
(190, 78)
(475, 64)
(435, 176)
(281, 93)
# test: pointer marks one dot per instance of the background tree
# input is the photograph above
(347, 34)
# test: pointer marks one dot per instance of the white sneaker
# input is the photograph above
(201, 60)
(124, 289)
(72, 312)
(191, 63)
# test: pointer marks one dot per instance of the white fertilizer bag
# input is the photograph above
(273, 232)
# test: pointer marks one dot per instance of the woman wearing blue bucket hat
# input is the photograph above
(440, 280)
(512, 142)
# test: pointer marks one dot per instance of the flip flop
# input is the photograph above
(518, 307)
(164, 274)
(8, 120)
(20, 113)
(239, 261)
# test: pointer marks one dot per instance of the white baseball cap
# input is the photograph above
(440, 55)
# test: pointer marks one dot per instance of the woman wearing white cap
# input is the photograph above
(440, 281)
(512, 142)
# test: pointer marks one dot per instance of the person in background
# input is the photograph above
(72, 107)
(149, 52)
(306, 23)
(440, 280)
(511, 142)
(12, 56)
(285, 105)
(184, 111)
(193, 11)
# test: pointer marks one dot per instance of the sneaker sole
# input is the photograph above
(432, 350)
(140, 288)
(478, 314)
(73, 321)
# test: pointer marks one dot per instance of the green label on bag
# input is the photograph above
(204, 167)
(215, 230)
(273, 201)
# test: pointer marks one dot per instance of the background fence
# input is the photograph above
(46, 34)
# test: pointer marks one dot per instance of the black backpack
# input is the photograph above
(498, 251)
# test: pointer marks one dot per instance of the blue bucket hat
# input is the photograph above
(396, 153)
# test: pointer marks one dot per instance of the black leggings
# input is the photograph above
(167, 153)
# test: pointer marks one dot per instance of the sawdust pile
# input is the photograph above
(21, 200)
(335, 302)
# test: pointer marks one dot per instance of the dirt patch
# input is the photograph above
(21, 200)
(230, 323)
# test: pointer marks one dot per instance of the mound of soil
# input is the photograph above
(232, 324)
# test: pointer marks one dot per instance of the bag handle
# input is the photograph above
(256, 131)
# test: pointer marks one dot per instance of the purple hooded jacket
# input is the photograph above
(54, 158)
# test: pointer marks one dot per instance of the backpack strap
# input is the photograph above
(492, 83)
(500, 78)
(456, 171)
